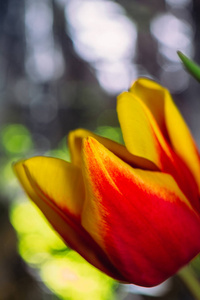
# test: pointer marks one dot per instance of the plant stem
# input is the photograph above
(191, 281)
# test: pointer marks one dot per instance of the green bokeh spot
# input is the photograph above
(16, 139)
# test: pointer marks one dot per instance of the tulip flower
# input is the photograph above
(132, 210)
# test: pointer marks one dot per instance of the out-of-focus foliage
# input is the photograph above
(16, 139)
(62, 270)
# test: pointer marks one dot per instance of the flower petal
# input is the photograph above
(139, 136)
(145, 135)
(75, 145)
(160, 103)
(33, 174)
(160, 232)
(60, 181)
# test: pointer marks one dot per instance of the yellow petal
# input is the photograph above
(159, 102)
(49, 207)
(138, 133)
(181, 138)
(57, 211)
(152, 95)
(60, 181)
(76, 137)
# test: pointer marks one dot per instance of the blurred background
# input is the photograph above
(62, 64)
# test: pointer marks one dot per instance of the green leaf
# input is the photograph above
(190, 65)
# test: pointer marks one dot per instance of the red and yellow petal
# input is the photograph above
(145, 135)
(158, 100)
(76, 137)
(45, 178)
(59, 181)
(141, 218)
